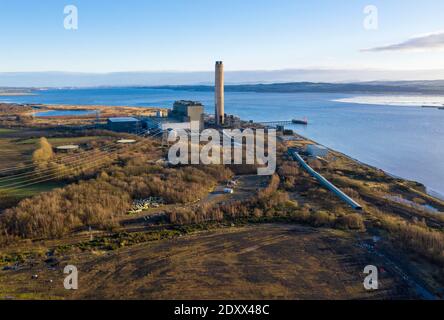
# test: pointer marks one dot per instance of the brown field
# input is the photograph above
(270, 261)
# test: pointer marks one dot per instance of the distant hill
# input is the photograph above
(433, 87)
(206, 78)
(418, 87)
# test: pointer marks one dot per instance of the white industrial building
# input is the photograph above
(316, 150)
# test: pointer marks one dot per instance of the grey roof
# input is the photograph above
(123, 119)
(68, 147)
(188, 103)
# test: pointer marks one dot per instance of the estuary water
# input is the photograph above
(402, 139)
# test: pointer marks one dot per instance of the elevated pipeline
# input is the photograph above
(324, 182)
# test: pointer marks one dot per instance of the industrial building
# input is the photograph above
(124, 124)
(232, 121)
(183, 112)
(316, 150)
(188, 111)
(219, 94)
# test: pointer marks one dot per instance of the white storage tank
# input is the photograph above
(172, 134)
(316, 150)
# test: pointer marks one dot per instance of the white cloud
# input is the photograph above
(430, 41)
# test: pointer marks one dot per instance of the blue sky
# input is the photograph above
(189, 35)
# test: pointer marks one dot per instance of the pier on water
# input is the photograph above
(284, 122)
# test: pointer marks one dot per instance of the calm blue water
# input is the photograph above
(58, 113)
(404, 141)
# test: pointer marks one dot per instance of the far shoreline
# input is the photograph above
(148, 110)
(14, 94)
(430, 192)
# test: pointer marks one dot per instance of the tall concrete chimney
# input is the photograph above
(219, 93)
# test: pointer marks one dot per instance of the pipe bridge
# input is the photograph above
(276, 123)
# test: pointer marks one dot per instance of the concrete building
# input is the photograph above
(316, 150)
(162, 124)
(183, 113)
(188, 111)
(219, 94)
(124, 124)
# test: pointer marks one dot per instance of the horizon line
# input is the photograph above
(228, 71)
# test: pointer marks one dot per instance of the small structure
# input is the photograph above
(171, 134)
(140, 205)
(124, 124)
(126, 141)
(162, 113)
(67, 148)
(228, 190)
(231, 183)
(316, 150)
(232, 121)
(285, 138)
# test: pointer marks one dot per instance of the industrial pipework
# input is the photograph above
(324, 182)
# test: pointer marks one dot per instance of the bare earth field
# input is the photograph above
(271, 261)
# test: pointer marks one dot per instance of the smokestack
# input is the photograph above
(219, 93)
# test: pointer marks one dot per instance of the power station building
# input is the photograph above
(183, 112)
(124, 124)
(219, 94)
(188, 111)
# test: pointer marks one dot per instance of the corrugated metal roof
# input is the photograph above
(123, 119)
(68, 147)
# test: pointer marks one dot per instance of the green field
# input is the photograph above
(61, 141)
(15, 153)
(6, 131)
(28, 191)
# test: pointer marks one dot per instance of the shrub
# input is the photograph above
(352, 221)
(44, 153)
(424, 241)
(322, 218)
(99, 202)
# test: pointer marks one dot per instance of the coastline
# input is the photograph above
(429, 192)
(396, 100)
(109, 111)
(14, 94)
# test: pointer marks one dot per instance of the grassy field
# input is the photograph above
(271, 261)
(17, 152)
(14, 154)
(31, 190)
(62, 141)
(7, 131)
